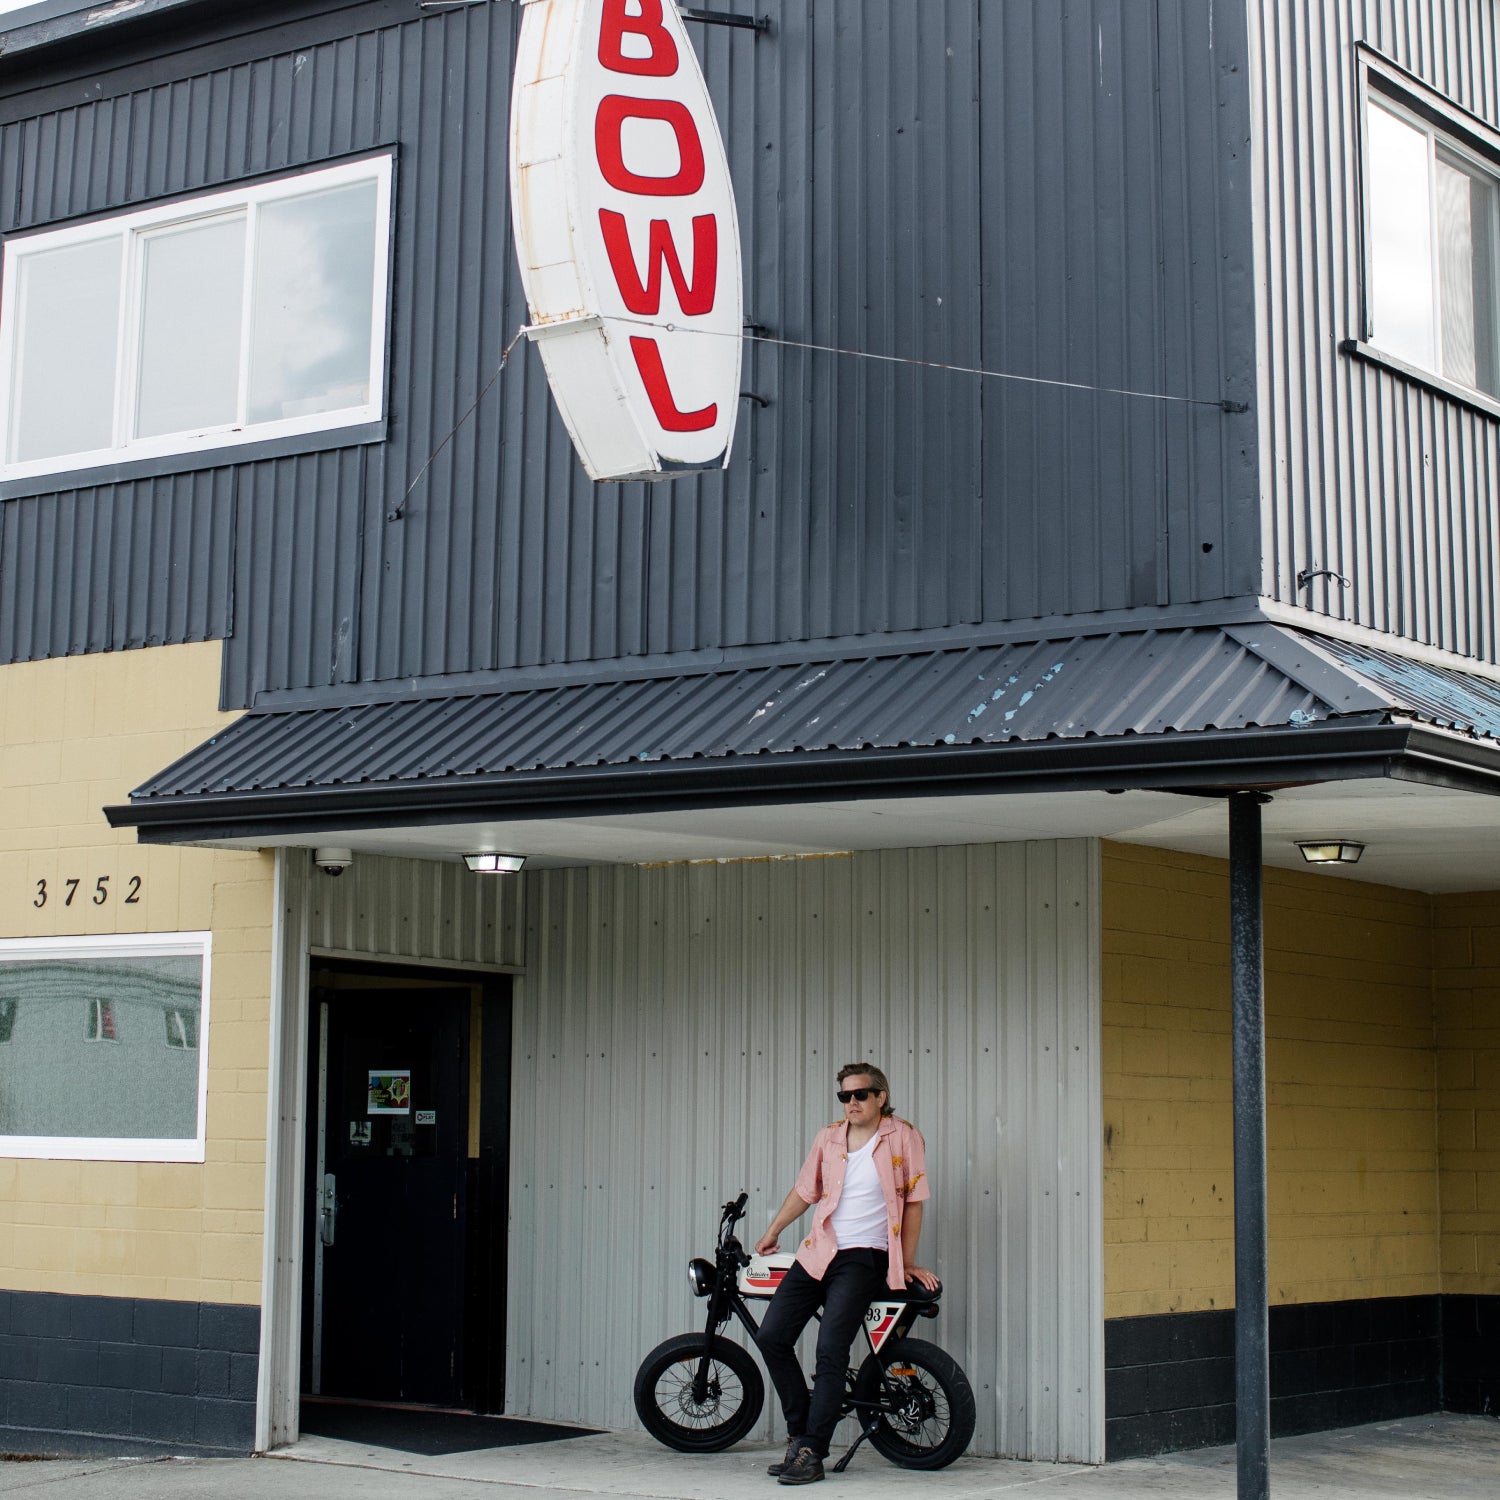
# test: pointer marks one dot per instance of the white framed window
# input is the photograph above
(208, 322)
(1432, 212)
(65, 1096)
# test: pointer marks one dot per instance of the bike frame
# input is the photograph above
(885, 1322)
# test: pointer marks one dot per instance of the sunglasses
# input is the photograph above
(845, 1095)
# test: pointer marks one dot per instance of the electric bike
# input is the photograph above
(701, 1392)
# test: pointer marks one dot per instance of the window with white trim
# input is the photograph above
(1432, 299)
(200, 324)
(138, 1097)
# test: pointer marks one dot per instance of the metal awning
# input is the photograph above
(1180, 709)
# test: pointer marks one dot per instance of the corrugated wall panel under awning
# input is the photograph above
(678, 1030)
(422, 910)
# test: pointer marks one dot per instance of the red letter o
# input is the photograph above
(614, 110)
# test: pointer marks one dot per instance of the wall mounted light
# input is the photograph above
(495, 864)
(1331, 851)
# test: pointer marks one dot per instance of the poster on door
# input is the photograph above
(390, 1091)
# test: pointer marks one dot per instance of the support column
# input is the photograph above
(1252, 1368)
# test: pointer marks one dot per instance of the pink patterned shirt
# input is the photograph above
(900, 1161)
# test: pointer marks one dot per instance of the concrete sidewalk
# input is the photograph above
(1421, 1458)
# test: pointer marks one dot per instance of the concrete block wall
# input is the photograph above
(77, 734)
(126, 1375)
(1466, 980)
(1466, 991)
(1383, 1128)
(91, 1251)
(1351, 1087)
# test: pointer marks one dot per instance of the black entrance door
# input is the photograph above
(390, 1210)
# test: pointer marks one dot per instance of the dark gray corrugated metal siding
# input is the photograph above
(110, 568)
(970, 181)
(297, 602)
(1366, 473)
(1115, 223)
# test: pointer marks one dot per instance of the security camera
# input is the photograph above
(333, 861)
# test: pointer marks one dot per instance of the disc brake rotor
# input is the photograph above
(685, 1402)
(916, 1405)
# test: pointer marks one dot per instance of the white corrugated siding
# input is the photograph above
(422, 910)
(677, 1033)
(1365, 472)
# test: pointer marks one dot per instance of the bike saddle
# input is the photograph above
(915, 1293)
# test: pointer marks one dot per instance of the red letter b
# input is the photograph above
(662, 62)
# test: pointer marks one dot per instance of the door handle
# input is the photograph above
(328, 1209)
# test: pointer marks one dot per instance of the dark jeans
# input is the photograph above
(851, 1280)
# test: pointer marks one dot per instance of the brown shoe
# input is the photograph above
(805, 1468)
(776, 1470)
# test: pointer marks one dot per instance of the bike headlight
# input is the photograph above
(702, 1275)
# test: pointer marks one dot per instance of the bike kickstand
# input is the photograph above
(843, 1463)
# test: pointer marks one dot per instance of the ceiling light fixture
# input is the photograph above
(495, 864)
(1331, 851)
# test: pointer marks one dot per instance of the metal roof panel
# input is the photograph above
(1144, 683)
(1441, 696)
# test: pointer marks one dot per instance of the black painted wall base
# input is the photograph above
(1169, 1379)
(81, 1376)
(1471, 1354)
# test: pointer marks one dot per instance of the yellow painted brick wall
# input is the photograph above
(75, 735)
(1350, 1062)
(1466, 981)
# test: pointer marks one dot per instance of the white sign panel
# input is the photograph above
(627, 235)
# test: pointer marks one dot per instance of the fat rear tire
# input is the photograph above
(934, 1420)
(664, 1395)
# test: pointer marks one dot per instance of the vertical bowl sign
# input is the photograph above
(627, 236)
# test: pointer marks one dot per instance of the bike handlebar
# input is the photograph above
(728, 1244)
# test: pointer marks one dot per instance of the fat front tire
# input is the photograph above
(931, 1415)
(664, 1394)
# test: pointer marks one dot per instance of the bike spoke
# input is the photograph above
(674, 1394)
(920, 1416)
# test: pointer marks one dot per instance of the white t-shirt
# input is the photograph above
(860, 1218)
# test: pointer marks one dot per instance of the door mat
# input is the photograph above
(412, 1429)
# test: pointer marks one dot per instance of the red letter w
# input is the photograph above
(695, 298)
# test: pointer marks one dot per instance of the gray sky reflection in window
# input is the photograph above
(191, 320)
(55, 1081)
(71, 302)
(310, 349)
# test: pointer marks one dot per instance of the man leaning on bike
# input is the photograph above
(866, 1180)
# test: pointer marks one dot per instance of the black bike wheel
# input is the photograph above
(929, 1405)
(664, 1394)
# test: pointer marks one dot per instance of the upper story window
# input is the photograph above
(1431, 204)
(101, 1021)
(204, 323)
